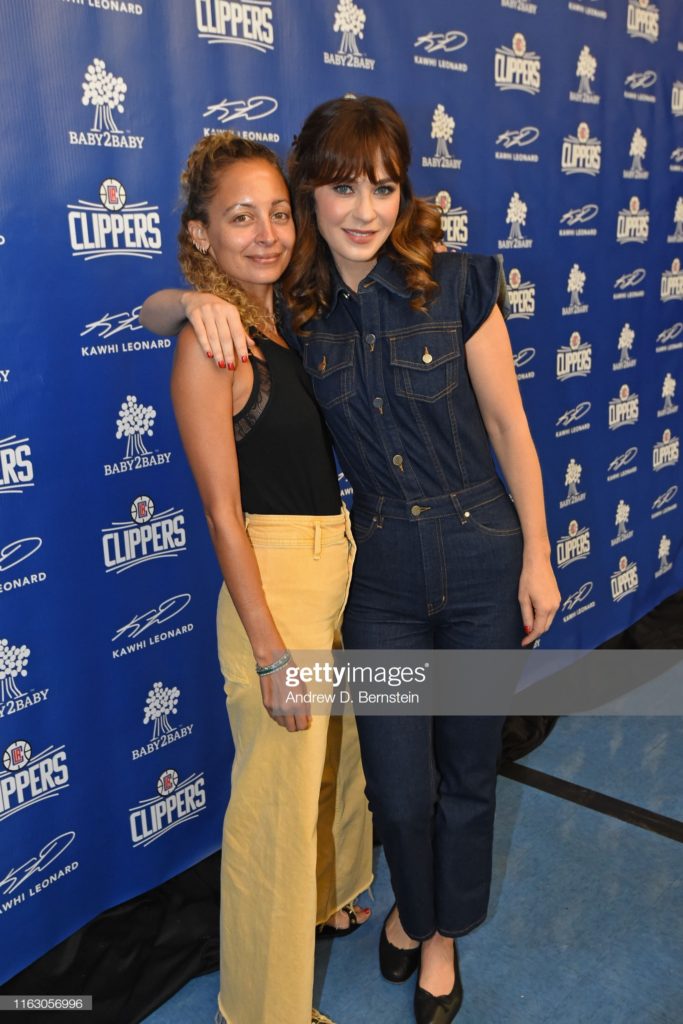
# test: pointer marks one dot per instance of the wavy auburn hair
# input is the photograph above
(341, 140)
(199, 181)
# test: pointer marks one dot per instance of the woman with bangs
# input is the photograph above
(411, 364)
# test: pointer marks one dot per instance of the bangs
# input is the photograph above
(355, 148)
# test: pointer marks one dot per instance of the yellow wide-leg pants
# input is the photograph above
(297, 836)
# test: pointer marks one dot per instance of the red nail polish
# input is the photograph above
(527, 629)
(231, 366)
(245, 359)
(210, 355)
(221, 363)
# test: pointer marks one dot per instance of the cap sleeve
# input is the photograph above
(484, 288)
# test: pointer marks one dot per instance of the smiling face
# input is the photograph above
(356, 218)
(249, 230)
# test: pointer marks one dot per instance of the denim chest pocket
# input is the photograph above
(330, 365)
(426, 361)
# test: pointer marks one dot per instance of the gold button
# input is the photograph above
(467, 515)
(427, 356)
(415, 511)
(322, 365)
(398, 461)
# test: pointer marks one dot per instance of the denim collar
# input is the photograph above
(385, 273)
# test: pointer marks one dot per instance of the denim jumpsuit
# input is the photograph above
(437, 566)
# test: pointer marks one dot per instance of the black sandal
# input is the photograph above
(328, 931)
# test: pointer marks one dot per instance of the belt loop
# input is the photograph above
(318, 540)
(380, 517)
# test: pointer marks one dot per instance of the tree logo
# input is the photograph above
(106, 93)
(572, 479)
(668, 392)
(642, 20)
(349, 21)
(454, 221)
(663, 552)
(517, 68)
(13, 662)
(637, 151)
(162, 701)
(633, 224)
(621, 519)
(677, 236)
(586, 67)
(443, 127)
(516, 218)
(576, 282)
(134, 422)
(521, 296)
(625, 344)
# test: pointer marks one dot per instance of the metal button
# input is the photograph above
(322, 365)
(398, 461)
(346, 295)
(370, 338)
(466, 514)
(416, 510)
(378, 404)
(427, 356)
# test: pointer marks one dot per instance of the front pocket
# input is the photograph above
(363, 525)
(330, 365)
(498, 517)
(426, 363)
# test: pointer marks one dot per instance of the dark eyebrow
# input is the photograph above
(250, 206)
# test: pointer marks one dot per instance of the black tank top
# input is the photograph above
(283, 449)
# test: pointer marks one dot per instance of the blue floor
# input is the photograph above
(586, 914)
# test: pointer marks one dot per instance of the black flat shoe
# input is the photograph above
(396, 964)
(431, 1009)
(328, 931)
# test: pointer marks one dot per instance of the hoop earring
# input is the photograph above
(203, 249)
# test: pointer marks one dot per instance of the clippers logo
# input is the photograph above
(582, 8)
(521, 296)
(16, 468)
(572, 479)
(177, 803)
(633, 225)
(574, 604)
(516, 218)
(665, 452)
(671, 286)
(106, 92)
(623, 465)
(626, 286)
(642, 20)
(253, 109)
(571, 222)
(11, 555)
(523, 6)
(581, 154)
(244, 24)
(517, 68)
(637, 84)
(109, 230)
(574, 359)
(574, 546)
(677, 236)
(112, 324)
(625, 580)
(572, 420)
(437, 43)
(151, 536)
(668, 392)
(161, 704)
(13, 662)
(349, 21)
(668, 340)
(139, 624)
(664, 503)
(586, 66)
(637, 151)
(677, 99)
(621, 519)
(135, 422)
(29, 778)
(443, 126)
(623, 410)
(575, 285)
(34, 868)
(515, 140)
(454, 222)
(625, 344)
(522, 359)
(663, 552)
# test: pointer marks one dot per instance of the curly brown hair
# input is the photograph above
(199, 182)
(341, 140)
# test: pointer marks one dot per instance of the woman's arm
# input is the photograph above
(202, 401)
(216, 323)
(492, 372)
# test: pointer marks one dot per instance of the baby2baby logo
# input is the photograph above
(14, 695)
(135, 422)
(349, 21)
(160, 707)
(105, 92)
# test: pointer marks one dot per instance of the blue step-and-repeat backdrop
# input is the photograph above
(549, 131)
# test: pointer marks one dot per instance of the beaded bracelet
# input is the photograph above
(267, 670)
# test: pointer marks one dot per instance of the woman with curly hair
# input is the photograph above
(412, 367)
(297, 839)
